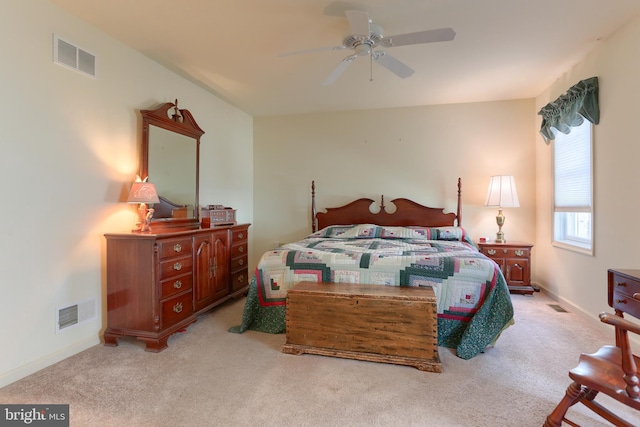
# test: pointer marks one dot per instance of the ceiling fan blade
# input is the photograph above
(428, 36)
(316, 49)
(339, 70)
(358, 22)
(397, 67)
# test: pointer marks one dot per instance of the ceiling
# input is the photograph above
(503, 49)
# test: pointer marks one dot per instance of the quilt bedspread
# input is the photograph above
(473, 301)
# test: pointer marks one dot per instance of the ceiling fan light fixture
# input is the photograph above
(363, 49)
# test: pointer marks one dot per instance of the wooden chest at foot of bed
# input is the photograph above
(377, 323)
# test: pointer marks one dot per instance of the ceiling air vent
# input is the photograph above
(68, 55)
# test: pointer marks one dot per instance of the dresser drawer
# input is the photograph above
(174, 247)
(176, 285)
(176, 267)
(239, 236)
(239, 280)
(177, 309)
(239, 250)
(239, 263)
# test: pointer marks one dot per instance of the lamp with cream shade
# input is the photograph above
(501, 194)
(144, 193)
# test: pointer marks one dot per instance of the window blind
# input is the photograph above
(572, 188)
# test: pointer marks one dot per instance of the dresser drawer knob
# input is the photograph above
(241, 262)
(240, 235)
(177, 284)
(636, 296)
(491, 251)
(621, 285)
(178, 307)
(177, 266)
(519, 252)
(621, 301)
(177, 247)
(241, 278)
(241, 249)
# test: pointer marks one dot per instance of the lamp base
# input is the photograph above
(500, 221)
(144, 215)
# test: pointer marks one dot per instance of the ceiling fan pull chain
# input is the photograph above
(371, 67)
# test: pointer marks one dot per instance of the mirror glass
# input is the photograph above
(170, 156)
(172, 169)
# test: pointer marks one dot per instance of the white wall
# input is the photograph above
(69, 154)
(417, 153)
(576, 279)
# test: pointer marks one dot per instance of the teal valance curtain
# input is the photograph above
(570, 109)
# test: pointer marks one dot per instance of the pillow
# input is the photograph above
(427, 233)
(357, 231)
(368, 231)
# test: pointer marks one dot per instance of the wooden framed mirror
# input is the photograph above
(170, 158)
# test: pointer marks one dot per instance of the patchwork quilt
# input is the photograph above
(474, 305)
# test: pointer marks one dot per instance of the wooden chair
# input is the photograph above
(612, 370)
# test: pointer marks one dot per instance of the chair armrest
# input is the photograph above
(620, 322)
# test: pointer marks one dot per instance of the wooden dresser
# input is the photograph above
(514, 259)
(157, 284)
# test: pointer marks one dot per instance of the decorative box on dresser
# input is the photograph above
(514, 259)
(157, 284)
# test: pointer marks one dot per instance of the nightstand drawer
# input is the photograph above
(624, 292)
(625, 285)
(626, 303)
(507, 252)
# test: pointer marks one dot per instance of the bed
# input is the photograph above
(413, 246)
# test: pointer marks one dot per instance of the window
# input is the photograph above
(573, 176)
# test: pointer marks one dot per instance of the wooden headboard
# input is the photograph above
(407, 213)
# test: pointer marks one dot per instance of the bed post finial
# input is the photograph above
(382, 203)
(459, 212)
(313, 207)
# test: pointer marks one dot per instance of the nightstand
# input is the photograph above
(514, 259)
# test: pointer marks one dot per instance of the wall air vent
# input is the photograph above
(75, 314)
(68, 55)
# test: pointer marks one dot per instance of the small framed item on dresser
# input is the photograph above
(216, 215)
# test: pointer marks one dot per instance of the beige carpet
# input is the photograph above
(209, 377)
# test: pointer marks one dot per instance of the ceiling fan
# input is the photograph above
(366, 39)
